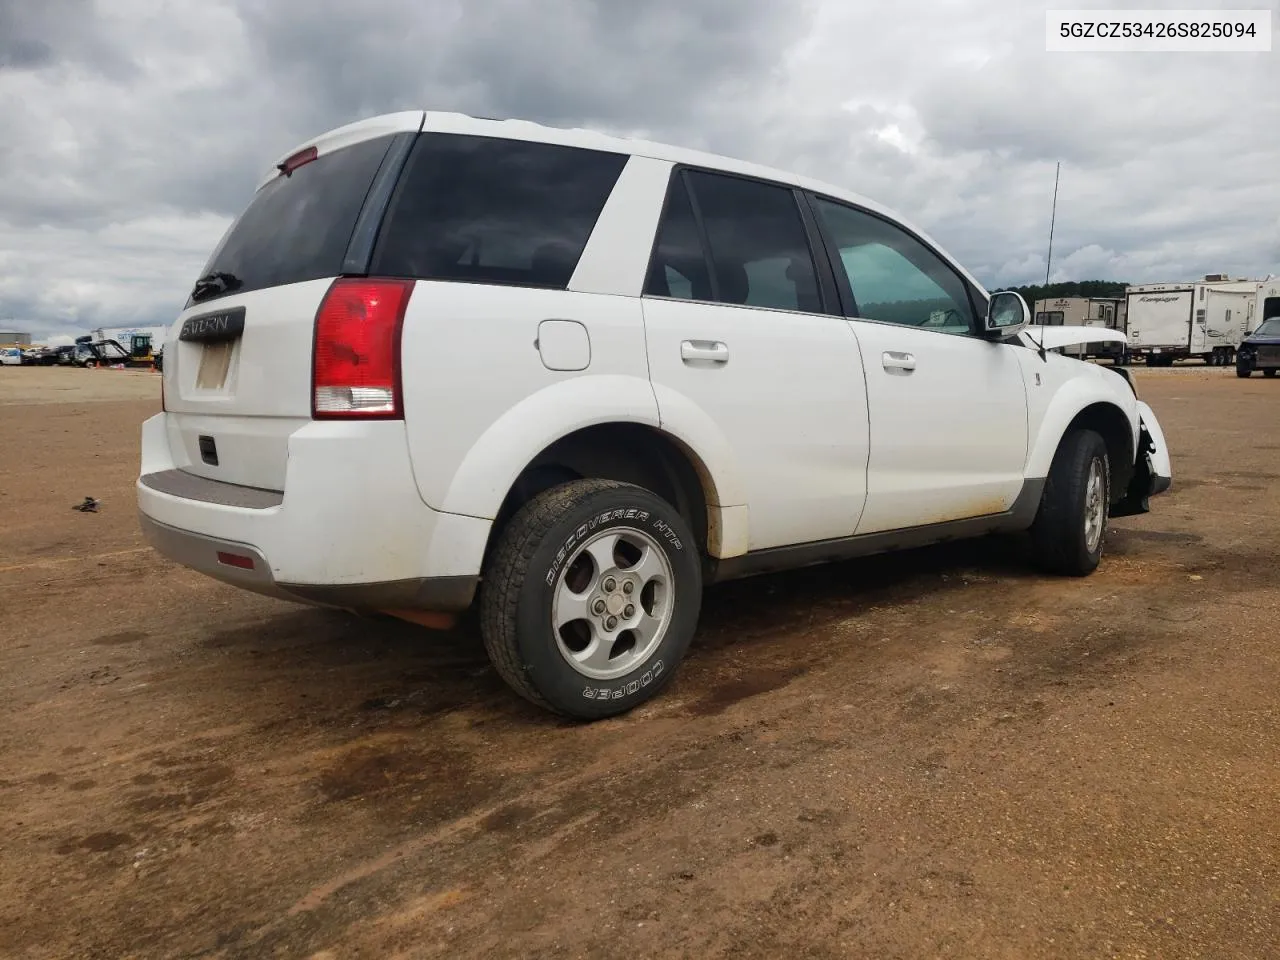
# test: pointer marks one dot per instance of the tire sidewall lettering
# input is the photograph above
(625, 517)
(627, 688)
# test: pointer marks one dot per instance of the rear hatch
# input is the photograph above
(238, 361)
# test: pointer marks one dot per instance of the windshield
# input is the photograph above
(1269, 328)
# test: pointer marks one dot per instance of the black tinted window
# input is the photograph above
(297, 227)
(494, 211)
(759, 249)
(896, 278)
(679, 267)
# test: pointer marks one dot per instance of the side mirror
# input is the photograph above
(1007, 315)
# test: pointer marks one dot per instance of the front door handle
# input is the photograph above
(711, 350)
(891, 360)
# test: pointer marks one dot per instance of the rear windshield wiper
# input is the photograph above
(213, 283)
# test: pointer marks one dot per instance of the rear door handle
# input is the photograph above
(892, 360)
(712, 350)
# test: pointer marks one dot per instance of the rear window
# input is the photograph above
(297, 227)
(486, 210)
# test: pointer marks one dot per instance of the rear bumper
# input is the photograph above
(349, 530)
(213, 557)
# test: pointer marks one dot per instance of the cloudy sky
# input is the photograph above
(132, 131)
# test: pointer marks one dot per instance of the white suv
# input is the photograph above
(442, 359)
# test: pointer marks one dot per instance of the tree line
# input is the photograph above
(1074, 288)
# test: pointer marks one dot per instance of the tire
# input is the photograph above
(544, 553)
(1243, 371)
(1269, 372)
(1070, 526)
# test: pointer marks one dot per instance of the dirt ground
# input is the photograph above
(935, 754)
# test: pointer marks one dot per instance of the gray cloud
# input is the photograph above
(132, 136)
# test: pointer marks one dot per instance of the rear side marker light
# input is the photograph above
(235, 560)
(301, 158)
(356, 360)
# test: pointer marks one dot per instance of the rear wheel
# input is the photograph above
(1071, 524)
(591, 597)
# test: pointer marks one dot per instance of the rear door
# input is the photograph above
(238, 361)
(739, 329)
(947, 409)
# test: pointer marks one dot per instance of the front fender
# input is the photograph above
(1068, 401)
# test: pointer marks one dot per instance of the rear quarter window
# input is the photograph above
(297, 227)
(488, 210)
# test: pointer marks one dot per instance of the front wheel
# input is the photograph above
(1071, 524)
(1270, 372)
(591, 598)
(1243, 370)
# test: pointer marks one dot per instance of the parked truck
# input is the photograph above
(1206, 319)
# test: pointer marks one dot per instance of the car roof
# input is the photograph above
(413, 121)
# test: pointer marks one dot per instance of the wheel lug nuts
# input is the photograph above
(610, 585)
(598, 606)
(611, 623)
(630, 611)
(628, 587)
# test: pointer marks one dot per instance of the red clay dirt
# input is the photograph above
(940, 753)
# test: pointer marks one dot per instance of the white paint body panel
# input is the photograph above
(949, 436)
(790, 401)
(479, 402)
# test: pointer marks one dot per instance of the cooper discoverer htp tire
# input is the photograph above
(591, 597)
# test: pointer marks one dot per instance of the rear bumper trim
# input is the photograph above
(200, 552)
(188, 486)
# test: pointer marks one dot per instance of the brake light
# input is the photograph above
(297, 160)
(356, 361)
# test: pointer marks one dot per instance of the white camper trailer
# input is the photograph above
(1106, 312)
(1205, 319)
(1267, 304)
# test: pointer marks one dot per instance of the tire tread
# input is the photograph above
(500, 591)
(1055, 534)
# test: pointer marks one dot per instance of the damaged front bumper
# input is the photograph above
(1153, 472)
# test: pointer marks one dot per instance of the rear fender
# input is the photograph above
(491, 467)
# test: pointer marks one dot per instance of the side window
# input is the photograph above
(895, 278)
(757, 243)
(679, 266)
(489, 210)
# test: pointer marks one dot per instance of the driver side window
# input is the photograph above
(895, 278)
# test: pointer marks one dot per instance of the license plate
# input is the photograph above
(215, 361)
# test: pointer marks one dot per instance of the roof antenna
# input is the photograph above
(1048, 260)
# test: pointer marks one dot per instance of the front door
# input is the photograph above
(948, 409)
(742, 341)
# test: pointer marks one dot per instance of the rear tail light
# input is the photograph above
(356, 362)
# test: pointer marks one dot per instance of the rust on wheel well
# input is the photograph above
(627, 453)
